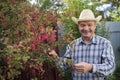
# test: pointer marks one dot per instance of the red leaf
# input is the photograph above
(32, 47)
(44, 37)
(52, 37)
(7, 59)
(32, 71)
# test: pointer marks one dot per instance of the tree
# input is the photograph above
(109, 9)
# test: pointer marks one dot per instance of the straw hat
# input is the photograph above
(86, 15)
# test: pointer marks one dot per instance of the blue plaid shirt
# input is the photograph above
(98, 52)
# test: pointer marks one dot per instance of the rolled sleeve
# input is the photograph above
(107, 65)
(94, 68)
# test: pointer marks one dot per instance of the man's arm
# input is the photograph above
(108, 62)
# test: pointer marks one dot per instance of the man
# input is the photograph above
(92, 55)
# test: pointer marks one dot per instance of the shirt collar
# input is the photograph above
(92, 41)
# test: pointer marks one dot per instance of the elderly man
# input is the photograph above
(92, 55)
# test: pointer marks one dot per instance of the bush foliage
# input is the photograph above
(27, 35)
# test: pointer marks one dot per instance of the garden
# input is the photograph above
(29, 31)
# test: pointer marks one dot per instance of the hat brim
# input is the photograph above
(76, 20)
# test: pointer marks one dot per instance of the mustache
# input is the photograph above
(86, 31)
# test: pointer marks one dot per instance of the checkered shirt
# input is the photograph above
(98, 52)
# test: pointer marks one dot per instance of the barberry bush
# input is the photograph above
(27, 34)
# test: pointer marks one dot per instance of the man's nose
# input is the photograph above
(86, 27)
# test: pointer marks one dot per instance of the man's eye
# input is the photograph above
(89, 25)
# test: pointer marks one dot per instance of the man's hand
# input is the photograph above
(83, 67)
(53, 53)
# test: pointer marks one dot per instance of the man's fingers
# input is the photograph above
(78, 67)
(53, 53)
(82, 67)
(80, 70)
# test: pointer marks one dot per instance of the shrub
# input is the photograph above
(27, 35)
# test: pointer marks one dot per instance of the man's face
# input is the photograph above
(87, 28)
